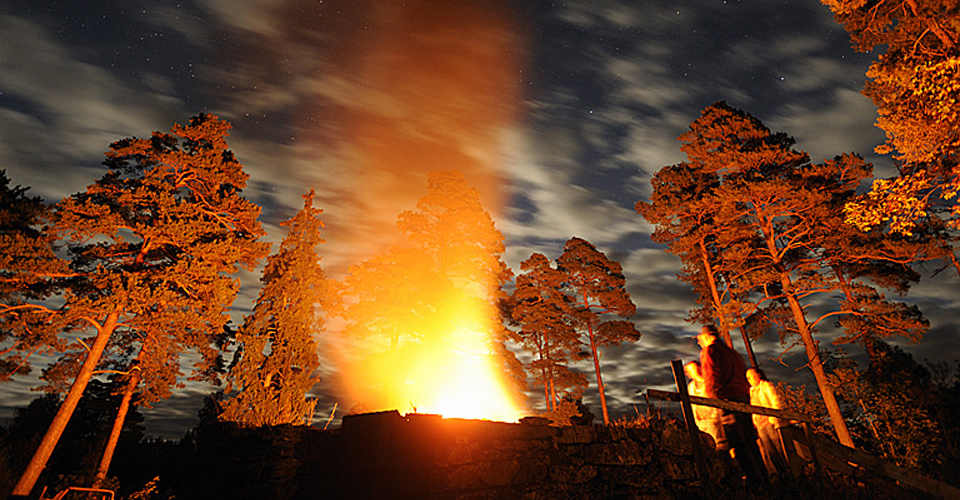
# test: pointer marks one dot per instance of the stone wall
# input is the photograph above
(389, 456)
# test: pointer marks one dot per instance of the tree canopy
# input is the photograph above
(543, 313)
(276, 360)
(685, 210)
(915, 85)
(776, 224)
(152, 246)
(29, 272)
(598, 294)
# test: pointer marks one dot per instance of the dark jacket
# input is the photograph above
(724, 374)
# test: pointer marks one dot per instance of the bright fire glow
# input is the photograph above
(466, 385)
(450, 374)
(429, 86)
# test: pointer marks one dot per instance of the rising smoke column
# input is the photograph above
(435, 84)
(420, 87)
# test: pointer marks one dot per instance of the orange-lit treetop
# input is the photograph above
(915, 85)
(276, 360)
(776, 227)
(153, 245)
(156, 241)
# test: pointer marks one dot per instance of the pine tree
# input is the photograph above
(81, 444)
(276, 360)
(543, 313)
(915, 85)
(761, 185)
(800, 247)
(29, 271)
(895, 408)
(683, 207)
(597, 288)
(153, 245)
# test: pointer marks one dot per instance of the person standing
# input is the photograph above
(724, 376)
(764, 393)
(707, 418)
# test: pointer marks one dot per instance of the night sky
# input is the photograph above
(559, 112)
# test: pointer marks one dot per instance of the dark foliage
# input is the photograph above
(75, 459)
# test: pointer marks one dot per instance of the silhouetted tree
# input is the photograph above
(75, 460)
(597, 288)
(208, 422)
(276, 361)
(895, 408)
(153, 245)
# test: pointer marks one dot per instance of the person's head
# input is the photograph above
(755, 375)
(708, 335)
(692, 369)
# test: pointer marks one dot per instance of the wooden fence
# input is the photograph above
(800, 445)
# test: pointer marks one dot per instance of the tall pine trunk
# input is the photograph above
(749, 347)
(118, 422)
(596, 366)
(29, 478)
(816, 366)
(711, 279)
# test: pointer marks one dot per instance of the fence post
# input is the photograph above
(811, 442)
(692, 428)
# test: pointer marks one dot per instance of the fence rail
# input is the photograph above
(732, 406)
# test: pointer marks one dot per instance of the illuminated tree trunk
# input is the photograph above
(546, 376)
(594, 349)
(111, 446)
(546, 396)
(750, 354)
(551, 387)
(810, 345)
(39, 461)
(816, 366)
(748, 346)
(599, 287)
(553, 393)
(711, 280)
